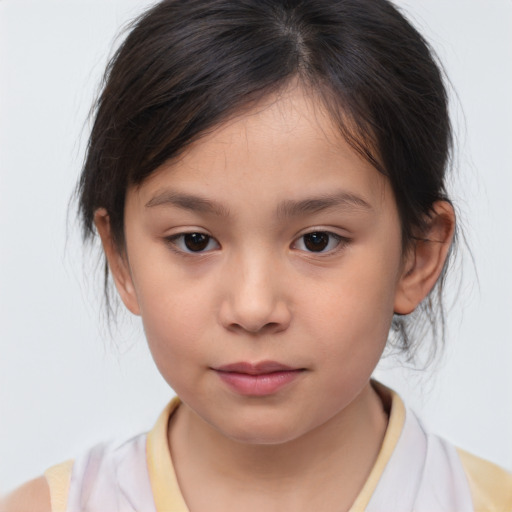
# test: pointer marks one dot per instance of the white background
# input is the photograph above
(64, 384)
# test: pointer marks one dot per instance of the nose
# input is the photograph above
(255, 298)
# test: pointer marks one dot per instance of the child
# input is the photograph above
(267, 179)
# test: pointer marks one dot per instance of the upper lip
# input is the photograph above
(260, 368)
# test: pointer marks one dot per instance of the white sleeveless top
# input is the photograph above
(414, 471)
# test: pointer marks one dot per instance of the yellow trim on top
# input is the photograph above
(491, 486)
(59, 480)
(164, 484)
(393, 432)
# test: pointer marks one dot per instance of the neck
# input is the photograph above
(343, 449)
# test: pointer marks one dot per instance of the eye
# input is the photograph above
(319, 241)
(194, 242)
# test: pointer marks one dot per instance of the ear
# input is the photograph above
(425, 260)
(117, 262)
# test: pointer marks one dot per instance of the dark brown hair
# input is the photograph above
(188, 65)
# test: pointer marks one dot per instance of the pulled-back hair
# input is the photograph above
(188, 65)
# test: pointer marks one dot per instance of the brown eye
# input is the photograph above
(323, 242)
(316, 242)
(196, 242)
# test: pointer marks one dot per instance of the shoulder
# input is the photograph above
(491, 485)
(44, 494)
(33, 496)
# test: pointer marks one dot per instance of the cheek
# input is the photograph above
(172, 334)
(175, 315)
(362, 291)
(356, 309)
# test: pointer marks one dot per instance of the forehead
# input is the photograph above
(285, 145)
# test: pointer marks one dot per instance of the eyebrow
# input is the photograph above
(286, 209)
(338, 200)
(188, 202)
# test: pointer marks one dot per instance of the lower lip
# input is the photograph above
(258, 385)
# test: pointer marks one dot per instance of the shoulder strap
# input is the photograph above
(424, 473)
(112, 478)
(491, 486)
(59, 479)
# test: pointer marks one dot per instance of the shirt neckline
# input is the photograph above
(164, 484)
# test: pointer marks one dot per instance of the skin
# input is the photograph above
(33, 496)
(257, 293)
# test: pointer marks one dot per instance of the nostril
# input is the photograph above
(273, 327)
(268, 328)
(254, 312)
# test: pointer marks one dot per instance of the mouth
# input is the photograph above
(260, 379)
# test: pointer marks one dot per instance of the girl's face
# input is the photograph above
(266, 264)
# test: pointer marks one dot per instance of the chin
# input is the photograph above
(260, 432)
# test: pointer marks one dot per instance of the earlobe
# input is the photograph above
(117, 262)
(425, 260)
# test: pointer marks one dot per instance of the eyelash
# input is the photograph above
(340, 241)
(178, 242)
